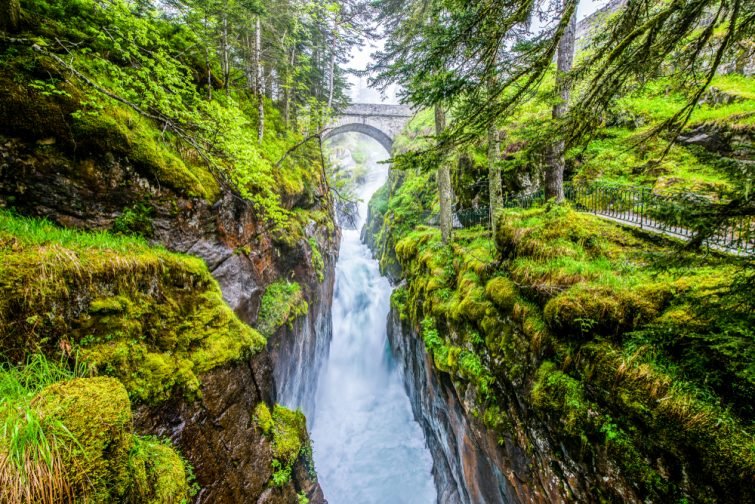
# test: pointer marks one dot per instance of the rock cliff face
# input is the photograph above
(298, 352)
(473, 465)
(232, 458)
(464, 463)
(216, 433)
(92, 193)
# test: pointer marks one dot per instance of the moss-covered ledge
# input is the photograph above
(153, 319)
(571, 323)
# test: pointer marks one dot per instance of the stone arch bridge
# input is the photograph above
(378, 121)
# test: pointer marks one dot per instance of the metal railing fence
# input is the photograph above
(637, 206)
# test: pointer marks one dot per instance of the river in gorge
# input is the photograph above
(367, 446)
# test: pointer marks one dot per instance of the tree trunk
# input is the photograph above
(206, 59)
(226, 59)
(445, 193)
(258, 80)
(554, 173)
(288, 91)
(249, 61)
(495, 187)
(10, 15)
(268, 81)
(331, 76)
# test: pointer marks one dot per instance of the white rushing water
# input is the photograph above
(367, 446)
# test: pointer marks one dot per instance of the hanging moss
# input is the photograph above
(282, 303)
(287, 430)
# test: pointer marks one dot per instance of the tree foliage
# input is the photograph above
(490, 57)
(206, 74)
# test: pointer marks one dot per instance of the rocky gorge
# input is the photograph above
(213, 427)
(190, 312)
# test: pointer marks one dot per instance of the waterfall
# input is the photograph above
(367, 446)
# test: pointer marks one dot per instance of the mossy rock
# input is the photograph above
(73, 439)
(586, 310)
(289, 433)
(158, 473)
(97, 413)
(282, 303)
(156, 348)
(287, 430)
(123, 131)
(502, 292)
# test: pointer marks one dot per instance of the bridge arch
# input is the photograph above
(371, 131)
(383, 122)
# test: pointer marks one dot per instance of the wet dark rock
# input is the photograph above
(463, 465)
(709, 137)
(232, 459)
(299, 352)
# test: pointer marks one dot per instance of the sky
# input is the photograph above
(361, 57)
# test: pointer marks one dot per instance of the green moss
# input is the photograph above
(287, 431)
(473, 304)
(31, 445)
(64, 436)
(159, 473)
(97, 413)
(317, 261)
(152, 364)
(263, 418)
(561, 395)
(502, 292)
(110, 305)
(122, 130)
(585, 310)
(282, 303)
(399, 298)
(289, 434)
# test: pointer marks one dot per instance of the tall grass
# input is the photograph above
(35, 232)
(31, 463)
